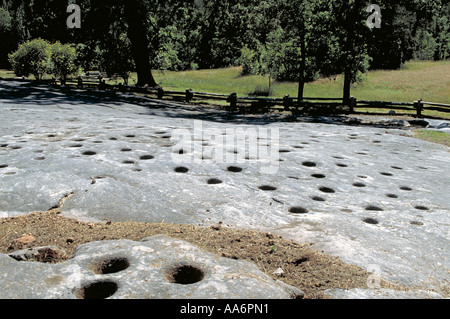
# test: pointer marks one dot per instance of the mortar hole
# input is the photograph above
(386, 174)
(298, 210)
(357, 184)
(341, 165)
(374, 208)
(309, 164)
(405, 188)
(110, 266)
(76, 145)
(267, 188)
(318, 198)
(391, 195)
(126, 150)
(318, 175)
(416, 223)
(181, 169)
(128, 162)
(214, 181)
(3, 166)
(97, 290)
(369, 220)
(89, 153)
(326, 189)
(234, 169)
(146, 157)
(419, 207)
(185, 275)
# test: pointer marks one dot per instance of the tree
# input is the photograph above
(116, 58)
(63, 60)
(349, 23)
(32, 57)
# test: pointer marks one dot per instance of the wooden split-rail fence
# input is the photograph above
(248, 104)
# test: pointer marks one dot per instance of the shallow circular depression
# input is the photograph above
(97, 290)
(267, 188)
(214, 181)
(181, 169)
(370, 220)
(234, 169)
(298, 210)
(184, 275)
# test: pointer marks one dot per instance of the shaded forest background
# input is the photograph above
(292, 40)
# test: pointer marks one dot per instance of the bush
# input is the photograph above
(249, 61)
(63, 57)
(32, 57)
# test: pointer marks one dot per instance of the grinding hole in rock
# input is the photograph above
(370, 221)
(267, 188)
(234, 169)
(110, 266)
(128, 162)
(214, 181)
(76, 145)
(298, 210)
(357, 184)
(146, 157)
(374, 208)
(89, 153)
(130, 135)
(97, 290)
(318, 175)
(309, 164)
(181, 169)
(341, 165)
(3, 166)
(318, 198)
(126, 150)
(185, 275)
(405, 188)
(386, 174)
(419, 207)
(392, 195)
(326, 189)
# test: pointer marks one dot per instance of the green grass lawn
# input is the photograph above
(426, 80)
(433, 136)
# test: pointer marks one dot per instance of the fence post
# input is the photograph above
(232, 99)
(160, 92)
(189, 95)
(80, 82)
(352, 104)
(287, 102)
(418, 106)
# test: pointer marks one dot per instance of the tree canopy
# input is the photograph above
(295, 40)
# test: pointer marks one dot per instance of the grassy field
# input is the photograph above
(433, 136)
(426, 80)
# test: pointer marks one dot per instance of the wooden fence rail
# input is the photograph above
(261, 104)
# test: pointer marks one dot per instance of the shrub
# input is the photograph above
(63, 57)
(32, 57)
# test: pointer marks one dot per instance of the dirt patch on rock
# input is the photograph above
(310, 270)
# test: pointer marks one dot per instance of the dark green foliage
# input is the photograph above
(294, 40)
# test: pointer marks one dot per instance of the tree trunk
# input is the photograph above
(137, 34)
(301, 82)
(347, 85)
